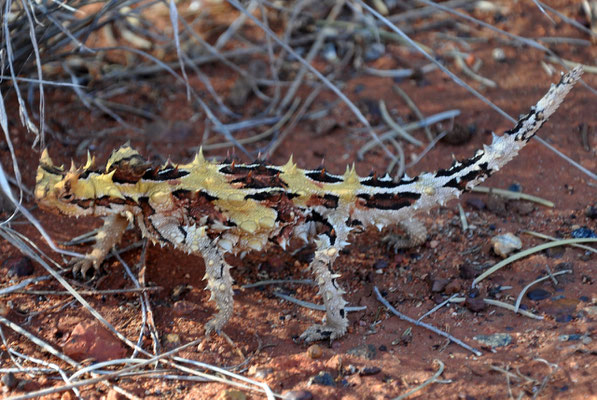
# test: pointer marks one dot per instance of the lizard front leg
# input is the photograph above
(219, 283)
(107, 236)
(336, 322)
(193, 238)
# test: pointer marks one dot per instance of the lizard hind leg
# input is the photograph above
(336, 322)
(416, 235)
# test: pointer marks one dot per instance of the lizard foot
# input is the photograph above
(215, 326)
(321, 332)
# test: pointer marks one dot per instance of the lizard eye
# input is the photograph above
(67, 197)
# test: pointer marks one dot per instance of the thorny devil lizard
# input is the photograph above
(211, 208)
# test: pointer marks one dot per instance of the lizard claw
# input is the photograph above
(212, 326)
(396, 242)
(82, 265)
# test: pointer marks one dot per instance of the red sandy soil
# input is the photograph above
(263, 325)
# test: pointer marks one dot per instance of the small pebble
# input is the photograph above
(505, 244)
(232, 394)
(368, 371)
(583, 233)
(538, 294)
(555, 252)
(323, 378)
(10, 380)
(591, 212)
(18, 266)
(367, 351)
(453, 287)
(515, 187)
(459, 135)
(439, 285)
(329, 52)
(495, 340)
(570, 338)
(260, 373)
(475, 304)
(498, 54)
(381, 264)
(314, 352)
(467, 271)
(297, 395)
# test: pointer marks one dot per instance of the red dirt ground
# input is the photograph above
(264, 322)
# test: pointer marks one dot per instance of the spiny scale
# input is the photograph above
(214, 208)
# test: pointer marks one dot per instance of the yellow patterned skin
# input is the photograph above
(213, 208)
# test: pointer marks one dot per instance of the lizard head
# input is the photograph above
(68, 192)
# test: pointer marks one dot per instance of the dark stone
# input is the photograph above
(583, 233)
(475, 304)
(515, 187)
(459, 135)
(323, 378)
(368, 371)
(476, 203)
(439, 284)
(297, 395)
(18, 266)
(555, 252)
(538, 294)
(591, 212)
(383, 348)
(381, 264)
(10, 380)
(367, 351)
(564, 318)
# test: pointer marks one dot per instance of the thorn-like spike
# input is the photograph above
(283, 243)
(289, 167)
(494, 138)
(350, 176)
(73, 169)
(45, 158)
(199, 158)
(90, 161)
